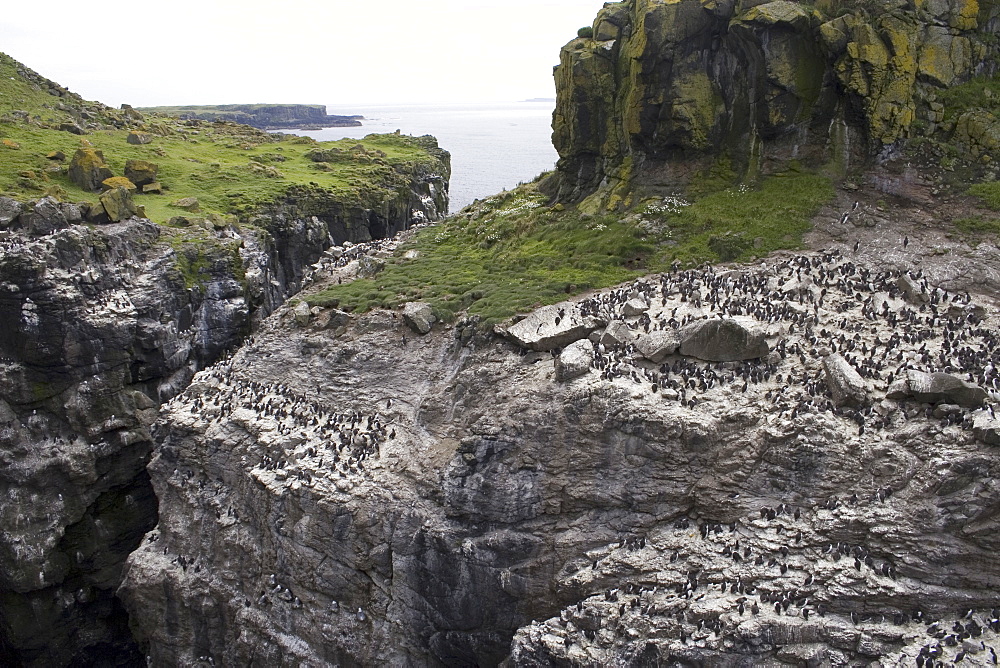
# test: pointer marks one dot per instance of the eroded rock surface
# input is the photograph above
(366, 498)
(102, 324)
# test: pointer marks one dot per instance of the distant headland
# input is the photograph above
(263, 116)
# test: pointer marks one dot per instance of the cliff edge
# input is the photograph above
(657, 94)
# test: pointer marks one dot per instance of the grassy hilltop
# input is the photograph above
(231, 169)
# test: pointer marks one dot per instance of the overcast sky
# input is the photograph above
(332, 52)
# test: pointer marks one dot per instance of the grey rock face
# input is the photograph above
(574, 360)
(475, 509)
(45, 217)
(721, 340)
(987, 429)
(419, 316)
(101, 326)
(845, 384)
(10, 209)
(937, 387)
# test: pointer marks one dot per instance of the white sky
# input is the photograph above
(332, 52)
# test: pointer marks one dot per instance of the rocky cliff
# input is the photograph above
(103, 324)
(263, 116)
(732, 466)
(658, 93)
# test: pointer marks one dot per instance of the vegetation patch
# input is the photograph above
(981, 92)
(512, 253)
(988, 192)
(979, 226)
(229, 168)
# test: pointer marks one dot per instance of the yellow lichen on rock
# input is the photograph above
(118, 181)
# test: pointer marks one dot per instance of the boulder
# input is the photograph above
(721, 340)
(10, 209)
(72, 212)
(72, 128)
(419, 316)
(334, 319)
(634, 307)
(87, 169)
(187, 203)
(911, 290)
(141, 172)
(45, 217)
(932, 388)
(301, 314)
(116, 182)
(551, 327)
(139, 138)
(617, 333)
(986, 428)
(656, 346)
(118, 204)
(154, 187)
(574, 360)
(58, 156)
(846, 385)
(129, 112)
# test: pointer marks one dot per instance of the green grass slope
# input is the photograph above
(231, 169)
(511, 252)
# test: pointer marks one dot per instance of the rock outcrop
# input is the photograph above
(88, 170)
(103, 324)
(363, 497)
(666, 91)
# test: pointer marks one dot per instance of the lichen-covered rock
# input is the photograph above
(721, 340)
(118, 204)
(574, 360)
(664, 88)
(87, 169)
(118, 181)
(141, 172)
(419, 316)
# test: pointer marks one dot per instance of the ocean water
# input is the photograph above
(493, 146)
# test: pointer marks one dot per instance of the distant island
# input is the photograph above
(540, 99)
(263, 116)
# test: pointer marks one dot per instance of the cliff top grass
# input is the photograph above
(229, 168)
(512, 253)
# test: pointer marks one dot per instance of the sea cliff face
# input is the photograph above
(593, 486)
(103, 324)
(666, 91)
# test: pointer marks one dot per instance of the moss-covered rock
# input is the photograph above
(669, 88)
(141, 172)
(118, 182)
(118, 204)
(87, 169)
